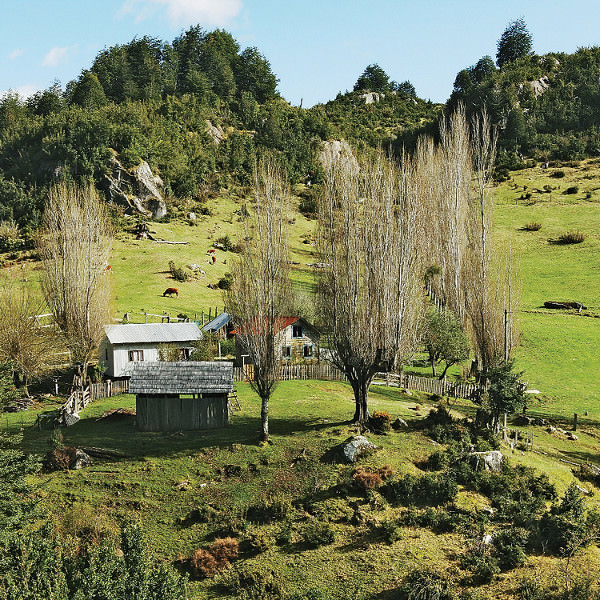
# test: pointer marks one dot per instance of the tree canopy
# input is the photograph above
(515, 42)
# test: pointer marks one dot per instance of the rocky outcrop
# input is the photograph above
(350, 450)
(137, 189)
(486, 461)
(334, 150)
(216, 133)
(371, 97)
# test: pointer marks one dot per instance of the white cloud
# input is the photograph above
(186, 12)
(15, 53)
(55, 56)
(24, 91)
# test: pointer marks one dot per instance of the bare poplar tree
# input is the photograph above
(260, 293)
(75, 245)
(491, 297)
(24, 344)
(369, 291)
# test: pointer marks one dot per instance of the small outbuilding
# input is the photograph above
(126, 345)
(176, 396)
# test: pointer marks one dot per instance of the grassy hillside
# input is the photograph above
(168, 480)
(558, 348)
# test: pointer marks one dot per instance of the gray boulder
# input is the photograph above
(349, 450)
(399, 424)
(486, 461)
(80, 460)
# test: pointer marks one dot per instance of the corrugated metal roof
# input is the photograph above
(158, 333)
(185, 377)
(218, 322)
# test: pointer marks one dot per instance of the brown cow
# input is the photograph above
(170, 291)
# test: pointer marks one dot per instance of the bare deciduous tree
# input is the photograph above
(75, 246)
(370, 221)
(24, 344)
(259, 296)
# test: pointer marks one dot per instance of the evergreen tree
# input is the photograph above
(88, 92)
(514, 43)
(374, 79)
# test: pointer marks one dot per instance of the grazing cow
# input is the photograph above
(170, 291)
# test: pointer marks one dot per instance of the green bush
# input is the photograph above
(432, 490)
(255, 582)
(225, 282)
(258, 540)
(509, 547)
(226, 242)
(335, 510)
(558, 174)
(573, 189)
(426, 584)
(317, 533)
(179, 273)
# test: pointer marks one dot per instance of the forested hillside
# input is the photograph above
(199, 110)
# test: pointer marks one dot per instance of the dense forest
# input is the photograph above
(200, 110)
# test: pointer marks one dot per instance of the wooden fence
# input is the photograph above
(296, 372)
(106, 389)
(427, 384)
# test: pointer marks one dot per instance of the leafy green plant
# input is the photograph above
(179, 273)
(573, 189)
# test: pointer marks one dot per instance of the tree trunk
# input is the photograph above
(264, 417)
(361, 399)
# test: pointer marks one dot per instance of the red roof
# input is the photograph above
(280, 324)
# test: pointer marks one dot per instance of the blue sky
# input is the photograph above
(316, 48)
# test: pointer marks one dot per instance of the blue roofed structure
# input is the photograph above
(220, 325)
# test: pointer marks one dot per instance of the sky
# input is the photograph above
(316, 48)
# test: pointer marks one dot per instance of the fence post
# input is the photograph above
(574, 421)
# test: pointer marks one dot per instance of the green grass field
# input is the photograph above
(165, 477)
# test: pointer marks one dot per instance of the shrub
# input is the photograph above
(509, 547)
(317, 533)
(380, 422)
(571, 237)
(179, 273)
(390, 531)
(224, 550)
(58, 459)
(587, 472)
(432, 490)
(533, 226)
(226, 242)
(332, 509)
(258, 540)
(558, 174)
(203, 564)
(426, 584)
(367, 480)
(571, 190)
(255, 582)
(269, 510)
(225, 282)
(437, 461)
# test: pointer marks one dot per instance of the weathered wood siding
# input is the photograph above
(170, 413)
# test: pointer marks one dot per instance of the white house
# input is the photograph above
(125, 345)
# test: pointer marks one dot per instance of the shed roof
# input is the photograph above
(218, 322)
(184, 377)
(157, 333)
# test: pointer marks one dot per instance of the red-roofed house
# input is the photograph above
(297, 340)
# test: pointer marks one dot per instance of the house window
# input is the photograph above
(297, 331)
(136, 355)
(184, 353)
(286, 351)
(307, 351)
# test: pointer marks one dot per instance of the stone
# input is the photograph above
(399, 424)
(80, 460)
(70, 419)
(191, 216)
(486, 461)
(349, 450)
(138, 188)
(572, 436)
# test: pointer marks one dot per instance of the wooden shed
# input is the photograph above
(174, 396)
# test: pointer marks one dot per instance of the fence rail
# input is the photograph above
(106, 389)
(427, 384)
